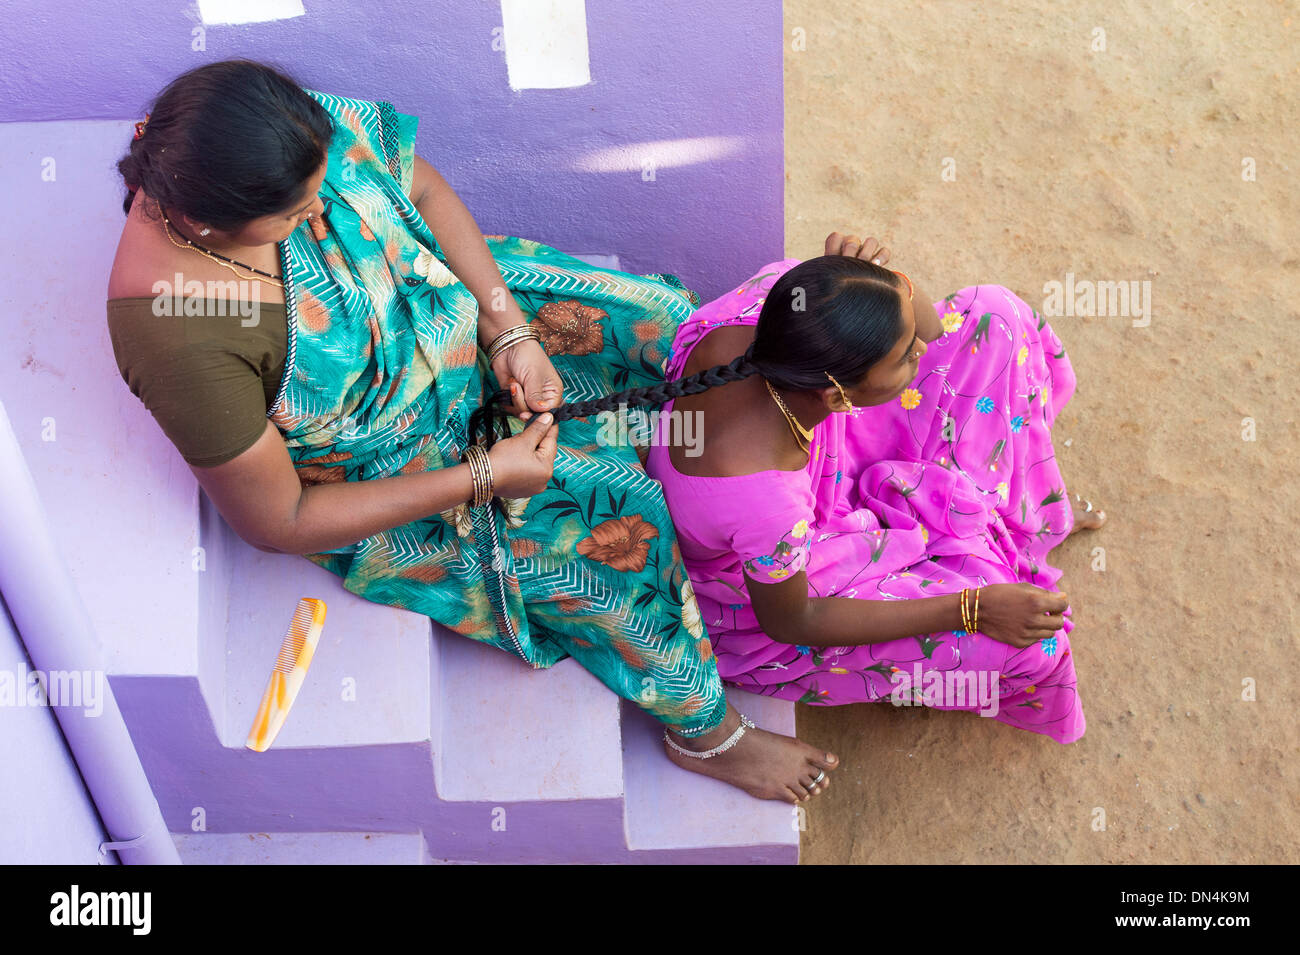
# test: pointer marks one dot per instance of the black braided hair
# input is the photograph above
(834, 315)
(737, 369)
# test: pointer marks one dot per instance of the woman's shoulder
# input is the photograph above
(150, 262)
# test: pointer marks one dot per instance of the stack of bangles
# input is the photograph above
(970, 618)
(480, 472)
(511, 336)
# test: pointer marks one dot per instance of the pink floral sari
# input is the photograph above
(891, 506)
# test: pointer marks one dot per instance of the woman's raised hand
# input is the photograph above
(534, 383)
(851, 245)
(1020, 614)
(522, 464)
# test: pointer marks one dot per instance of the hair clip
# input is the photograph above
(139, 127)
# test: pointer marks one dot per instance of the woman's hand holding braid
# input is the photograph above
(522, 464)
(525, 369)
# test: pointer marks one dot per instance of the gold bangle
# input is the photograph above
(472, 463)
(476, 473)
(488, 490)
(525, 327)
(480, 469)
(975, 622)
(511, 336)
(485, 487)
(965, 613)
(476, 469)
(500, 345)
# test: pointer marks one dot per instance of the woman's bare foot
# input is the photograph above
(1086, 516)
(765, 765)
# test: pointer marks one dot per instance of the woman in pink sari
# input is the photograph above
(868, 455)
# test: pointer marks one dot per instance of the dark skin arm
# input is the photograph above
(540, 386)
(1018, 614)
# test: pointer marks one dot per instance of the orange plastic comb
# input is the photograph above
(290, 671)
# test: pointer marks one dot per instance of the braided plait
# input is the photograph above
(739, 368)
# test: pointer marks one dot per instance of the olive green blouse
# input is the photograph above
(207, 379)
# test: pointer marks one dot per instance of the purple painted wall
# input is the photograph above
(660, 71)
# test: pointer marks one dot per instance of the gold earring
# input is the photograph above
(843, 397)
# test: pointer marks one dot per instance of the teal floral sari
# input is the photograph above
(383, 373)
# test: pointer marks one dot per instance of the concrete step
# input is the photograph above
(512, 733)
(369, 679)
(667, 808)
(302, 848)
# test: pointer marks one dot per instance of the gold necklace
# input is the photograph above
(195, 247)
(802, 435)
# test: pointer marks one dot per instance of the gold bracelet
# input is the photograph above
(511, 336)
(965, 615)
(488, 490)
(500, 344)
(480, 469)
(484, 494)
(476, 473)
(470, 461)
(975, 622)
(476, 476)
(512, 330)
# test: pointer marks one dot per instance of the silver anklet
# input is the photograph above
(730, 741)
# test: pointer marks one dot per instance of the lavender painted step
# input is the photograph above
(369, 679)
(511, 733)
(668, 808)
(302, 848)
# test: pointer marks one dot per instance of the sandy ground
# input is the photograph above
(1116, 164)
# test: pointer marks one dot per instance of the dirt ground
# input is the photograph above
(1164, 157)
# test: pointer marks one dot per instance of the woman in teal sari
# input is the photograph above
(398, 316)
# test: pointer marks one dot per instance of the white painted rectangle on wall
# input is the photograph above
(223, 12)
(546, 43)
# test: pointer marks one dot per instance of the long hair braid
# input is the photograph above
(739, 368)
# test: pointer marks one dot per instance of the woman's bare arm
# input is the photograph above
(467, 253)
(788, 615)
(260, 496)
(1018, 614)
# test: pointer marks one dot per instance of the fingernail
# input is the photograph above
(546, 418)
